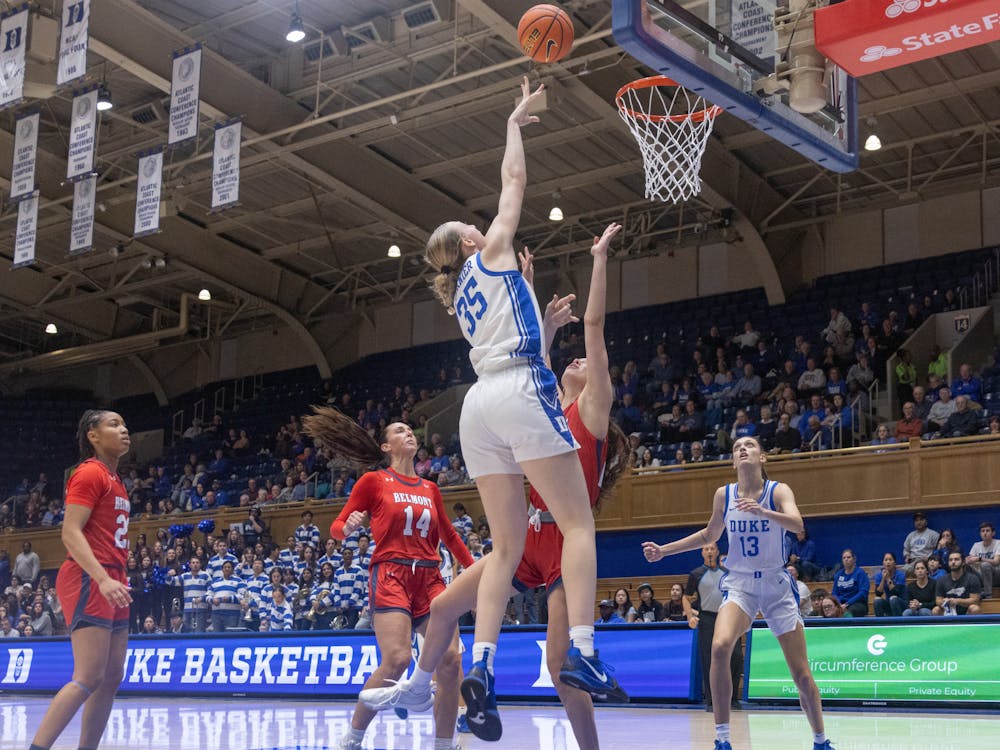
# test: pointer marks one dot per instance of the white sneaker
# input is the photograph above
(348, 743)
(398, 695)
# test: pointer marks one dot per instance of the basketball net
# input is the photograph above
(671, 126)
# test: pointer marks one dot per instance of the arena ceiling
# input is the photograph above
(378, 127)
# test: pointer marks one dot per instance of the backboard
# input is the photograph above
(730, 53)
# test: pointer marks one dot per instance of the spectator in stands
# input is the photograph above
(749, 386)
(812, 380)
(647, 461)
(193, 432)
(861, 372)
(906, 376)
(913, 319)
(938, 364)
(787, 439)
(959, 591)
(608, 614)
(650, 610)
(887, 339)
(947, 543)
(455, 474)
(941, 410)
(868, 316)
(228, 595)
(40, 619)
(802, 555)
(747, 340)
(816, 602)
(27, 565)
(623, 606)
(675, 609)
(805, 607)
(840, 421)
(963, 422)
(816, 436)
(301, 489)
(4, 570)
(838, 324)
(984, 557)
(767, 426)
(921, 404)
(627, 415)
(350, 588)
(670, 424)
(307, 533)
(851, 585)
(994, 426)
(909, 426)
(967, 384)
(934, 569)
(195, 583)
(692, 425)
(835, 384)
(815, 409)
(6, 629)
(832, 608)
(920, 592)
(919, 543)
(661, 370)
(697, 453)
(890, 588)
(882, 437)
(462, 521)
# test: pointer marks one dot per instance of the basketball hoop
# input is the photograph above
(672, 131)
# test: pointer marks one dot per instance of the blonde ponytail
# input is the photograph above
(444, 254)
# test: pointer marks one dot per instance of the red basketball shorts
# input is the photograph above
(82, 601)
(541, 563)
(404, 588)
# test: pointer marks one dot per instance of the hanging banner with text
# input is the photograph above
(27, 230)
(73, 41)
(13, 43)
(81, 233)
(184, 94)
(22, 171)
(752, 26)
(226, 164)
(82, 135)
(147, 193)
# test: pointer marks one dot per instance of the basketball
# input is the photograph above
(545, 33)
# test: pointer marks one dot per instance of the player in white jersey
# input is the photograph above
(755, 513)
(512, 425)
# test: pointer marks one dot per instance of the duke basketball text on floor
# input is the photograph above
(454, 374)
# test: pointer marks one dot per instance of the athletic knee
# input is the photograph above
(554, 662)
(395, 660)
(450, 666)
(88, 682)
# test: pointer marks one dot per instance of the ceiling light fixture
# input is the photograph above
(104, 102)
(204, 295)
(51, 328)
(872, 142)
(556, 213)
(296, 30)
(394, 251)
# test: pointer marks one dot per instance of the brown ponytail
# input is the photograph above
(615, 463)
(444, 254)
(340, 433)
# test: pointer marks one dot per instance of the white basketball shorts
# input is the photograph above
(773, 594)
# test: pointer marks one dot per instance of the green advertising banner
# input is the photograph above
(953, 662)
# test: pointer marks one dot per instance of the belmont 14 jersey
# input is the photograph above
(499, 316)
(755, 543)
(94, 486)
(408, 518)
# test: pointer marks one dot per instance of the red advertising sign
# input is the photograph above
(867, 36)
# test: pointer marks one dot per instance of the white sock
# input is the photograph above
(722, 732)
(819, 738)
(442, 743)
(357, 734)
(420, 678)
(484, 651)
(582, 637)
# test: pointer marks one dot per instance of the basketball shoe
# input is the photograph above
(825, 746)
(481, 701)
(401, 696)
(590, 674)
(348, 743)
(723, 745)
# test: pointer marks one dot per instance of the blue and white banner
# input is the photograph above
(337, 663)
(82, 135)
(22, 171)
(147, 193)
(81, 233)
(27, 231)
(13, 44)
(226, 164)
(184, 94)
(73, 40)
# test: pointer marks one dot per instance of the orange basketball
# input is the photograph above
(545, 33)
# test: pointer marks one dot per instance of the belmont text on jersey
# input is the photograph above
(405, 497)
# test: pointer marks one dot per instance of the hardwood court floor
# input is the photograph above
(233, 724)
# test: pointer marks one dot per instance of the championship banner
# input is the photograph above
(752, 26)
(22, 171)
(184, 94)
(73, 41)
(147, 193)
(81, 233)
(226, 164)
(14, 41)
(82, 135)
(27, 230)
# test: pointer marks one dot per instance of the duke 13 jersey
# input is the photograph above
(755, 543)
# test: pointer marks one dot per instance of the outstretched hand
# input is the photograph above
(520, 116)
(527, 265)
(652, 551)
(559, 312)
(601, 243)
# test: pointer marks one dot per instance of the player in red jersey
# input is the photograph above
(408, 521)
(587, 393)
(91, 585)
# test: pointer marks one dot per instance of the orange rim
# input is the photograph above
(646, 83)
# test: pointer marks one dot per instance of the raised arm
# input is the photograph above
(499, 251)
(598, 393)
(697, 540)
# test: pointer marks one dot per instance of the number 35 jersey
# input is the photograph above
(499, 316)
(408, 518)
(94, 486)
(755, 543)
